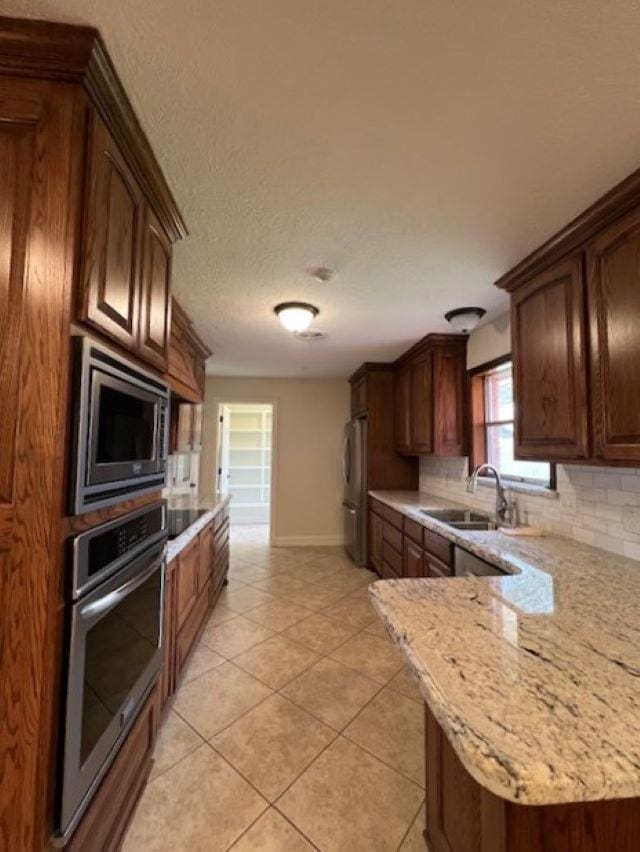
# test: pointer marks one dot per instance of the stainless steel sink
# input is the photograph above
(461, 519)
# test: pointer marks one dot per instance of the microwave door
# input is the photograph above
(124, 430)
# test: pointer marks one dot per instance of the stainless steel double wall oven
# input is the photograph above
(115, 569)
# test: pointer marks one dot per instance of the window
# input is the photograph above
(493, 423)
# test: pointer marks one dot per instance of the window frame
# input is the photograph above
(478, 425)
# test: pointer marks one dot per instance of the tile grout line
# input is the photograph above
(415, 817)
(337, 733)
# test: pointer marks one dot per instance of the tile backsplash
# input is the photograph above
(599, 506)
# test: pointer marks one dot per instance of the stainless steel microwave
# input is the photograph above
(121, 429)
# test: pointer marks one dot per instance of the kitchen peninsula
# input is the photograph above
(531, 688)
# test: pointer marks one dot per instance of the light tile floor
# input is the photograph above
(295, 726)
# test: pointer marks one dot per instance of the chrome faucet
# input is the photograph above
(502, 504)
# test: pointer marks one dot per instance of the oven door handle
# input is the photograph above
(112, 598)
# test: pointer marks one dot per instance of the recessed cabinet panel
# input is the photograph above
(422, 404)
(550, 381)
(111, 259)
(402, 410)
(614, 307)
(430, 402)
(449, 373)
(155, 305)
(16, 157)
(375, 542)
(413, 559)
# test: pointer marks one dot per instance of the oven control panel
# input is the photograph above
(111, 544)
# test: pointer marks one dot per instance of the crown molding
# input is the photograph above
(64, 53)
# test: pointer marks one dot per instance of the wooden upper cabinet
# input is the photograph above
(114, 215)
(430, 407)
(17, 141)
(402, 413)
(549, 357)
(422, 403)
(155, 293)
(613, 265)
(187, 356)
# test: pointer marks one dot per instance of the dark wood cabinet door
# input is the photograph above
(453, 797)
(206, 556)
(167, 680)
(402, 412)
(413, 559)
(155, 293)
(549, 359)
(186, 581)
(449, 379)
(375, 542)
(421, 396)
(613, 268)
(17, 151)
(110, 294)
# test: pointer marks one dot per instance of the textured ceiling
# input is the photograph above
(419, 147)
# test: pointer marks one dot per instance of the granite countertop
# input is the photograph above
(534, 676)
(189, 501)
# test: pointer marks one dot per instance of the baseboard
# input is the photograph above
(308, 541)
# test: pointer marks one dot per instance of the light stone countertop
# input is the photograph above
(188, 501)
(534, 677)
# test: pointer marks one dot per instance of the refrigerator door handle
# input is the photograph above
(346, 465)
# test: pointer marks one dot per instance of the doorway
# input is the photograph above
(245, 462)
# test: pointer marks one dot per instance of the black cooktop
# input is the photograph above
(179, 519)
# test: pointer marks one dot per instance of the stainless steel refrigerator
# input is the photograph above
(354, 475)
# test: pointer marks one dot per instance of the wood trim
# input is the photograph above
(178, 388)
(369, 367)
(477, 423)
(490, 365)
(430, 340)
(179, 314)
(611, 206)
(73, 524)
(61, 52)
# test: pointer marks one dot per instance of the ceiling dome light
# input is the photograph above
(296, 316)
(464, 320)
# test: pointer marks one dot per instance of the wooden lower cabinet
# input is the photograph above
(205, 556)
(189, 631)
(413, 559)
(463, 816)
(193, 581)
(106, 820)
(167, 678)
(187, 580)
(374, 534)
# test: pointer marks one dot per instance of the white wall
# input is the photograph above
(595, 505)
(309, 419)
(489, 342)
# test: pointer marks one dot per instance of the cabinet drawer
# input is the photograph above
(388, 572)
(190, 628)
(376, 506)
(392, 516)
(438, 546)
(221, 518)
(435, 568)
(392, 557)
(392, 536)
(413, 530)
